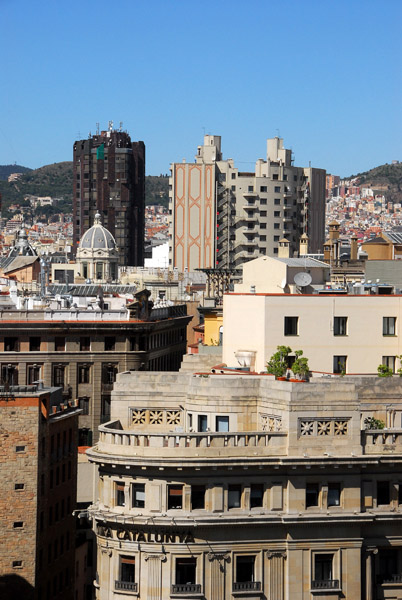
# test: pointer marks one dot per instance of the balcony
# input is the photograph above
(247, 586)
(380, 441)
(126, 586)
(250, 194)
(186, 588)
(325, 584)
(397, 578)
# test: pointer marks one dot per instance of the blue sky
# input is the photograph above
(325, 74)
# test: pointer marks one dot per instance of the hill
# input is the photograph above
(385, 179)
(56, 180)
(6, 170)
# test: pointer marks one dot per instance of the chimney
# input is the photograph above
(353, 247)
(303, 246)
(284, 248)
(327, 252)
(334, 230)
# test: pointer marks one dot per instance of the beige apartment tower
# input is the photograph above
(222, 217)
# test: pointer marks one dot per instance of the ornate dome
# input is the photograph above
(97, 237)
(22, 247)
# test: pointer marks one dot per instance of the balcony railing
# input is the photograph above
(396, 578)
(376, 441)
(186, 588)
(241, 586)
(127, 586)
(325, 584)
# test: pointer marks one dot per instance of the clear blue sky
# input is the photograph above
(326, 74)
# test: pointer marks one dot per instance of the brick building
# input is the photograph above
(38, 446)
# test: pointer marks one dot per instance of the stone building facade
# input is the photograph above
(221, 487)
(38, 475)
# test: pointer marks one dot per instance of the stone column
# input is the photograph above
(276, 574)
(154, 581)
(218, 562)
(370, 552)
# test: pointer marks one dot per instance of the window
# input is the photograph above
(312, 494)
(383, 495)
(334, 494)
(277, 189)
(263, 238)
(109, 373)
(34, 344)
(84, 372)
(276, 238)
(389, 361)
(263, 188)
(85, 270)
(119, 497)
(85, 344)
(323, 569)
(256, 495)
(202, 423)
(263, 225)
(277, 213)
(233, 175)
(277, 201)
(138, 496)
(19, 486)
(245, 567)
(233, 188)
(60, 344)
(339, 365)
(18, 524)
(98, 270)
(275, 176)
(263, 213)
(127, 569)
(277, 226)
(389, 325)
(33, 374)
(222, 423)
(340, 325)
(250, 188)
(291, 325)
(58, 375)
(83, 403)
(20, 448)
(175, 496)
(186, 569)
(11, 344)
(17, 564)
(110, 343)
(197, 497)
(234, 496)
(263, 201)
(105, 408)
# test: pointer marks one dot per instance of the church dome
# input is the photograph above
(97, 237)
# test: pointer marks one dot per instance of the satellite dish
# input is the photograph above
(302, 279)
(284, 283)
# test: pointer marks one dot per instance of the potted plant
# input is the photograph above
(277, 364)
(373, 423)
(300, 366)
(384, 371)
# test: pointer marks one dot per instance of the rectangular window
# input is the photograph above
(340, 325)
(276, 238)
(389, 361)
(105, 408)
(202, 423)
(263, 238)
(291, 325)
(245, 569)
(85, 344)
(127, 569)
(277, 189)
(18, 524)
(186, 569)
(256, 495)
(20, 448)
(323, 567)
(263, 201)
(263, 225)
(84, 373)
(312, 494)
(175, 496)
(383, 493)
(34, 344)
(109, 373)
(120, 500)
(277, 201)
(277, 213)
(263, 213)
(60, 344)
(58, 375)
(19, 486)
(233, 175)
(17, 564)
(233, 188)
(83, 403)
(334, 494)
(234, 496)
(197, 497)
(339, 364)
(263, 188)
(138, 495)
(275, 176)
(250, 188)
(277, 225)
(11, 344)
(33, 374)
(389, 325)
(110, 343)
(222, 423)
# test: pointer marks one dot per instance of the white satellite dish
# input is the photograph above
(302, 279)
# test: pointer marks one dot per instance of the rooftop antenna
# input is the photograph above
(97, 129)
(110, 126)
(121, 126)
(279, 135)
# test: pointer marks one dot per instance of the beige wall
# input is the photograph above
(256, 322)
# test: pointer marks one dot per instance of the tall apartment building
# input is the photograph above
(109, 178)
(222, 217)
(38, 484)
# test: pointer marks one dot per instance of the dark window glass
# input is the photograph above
(245, 566)
(110, 343)
(186, 570)
(175, 496)
(291, 325)
(60, 344)
(34, 344)
(84, 373)
(334, 494)
(85, 343)
(383, 492)
(197, 497)
(340, 325)
(234, 496)
(120, 494)
(256, 495)
(312, 493)
(84, 405)
(202, 423)
(11, 344)
(389, 326)
(138, 495)
(127, 569)
(323, 567)
(340, 364)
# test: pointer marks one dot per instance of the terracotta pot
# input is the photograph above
(281, 379)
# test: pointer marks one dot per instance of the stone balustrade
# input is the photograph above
(379, 441)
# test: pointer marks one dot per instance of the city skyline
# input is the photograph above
(324, 77)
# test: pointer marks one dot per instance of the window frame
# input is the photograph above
(340, 363)
(288, 326)
(340, 327)
(135, 488)
(386, 326)
(170, 497)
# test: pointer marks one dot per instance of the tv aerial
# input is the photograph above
(302, 279)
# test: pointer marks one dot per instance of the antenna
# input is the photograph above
(110, 126)
(279, 135)
(97, 129)
(302, 279)
(121, 126)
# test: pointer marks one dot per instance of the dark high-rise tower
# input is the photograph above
(109, 178)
